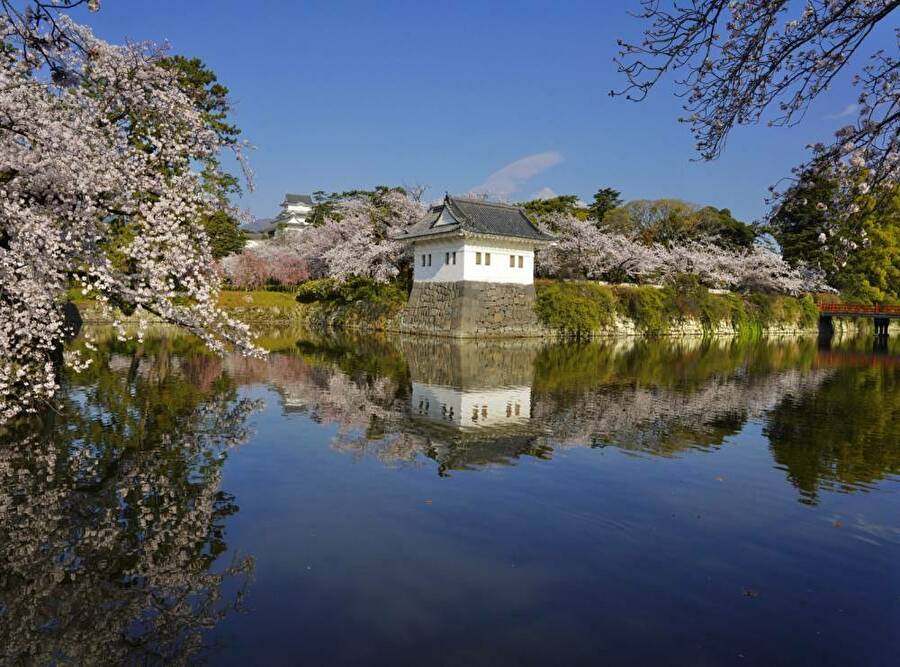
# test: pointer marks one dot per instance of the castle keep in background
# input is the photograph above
(295, 210)
(474, 271)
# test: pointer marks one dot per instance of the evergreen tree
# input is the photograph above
(211, 98)
(605, 200)
(802, 223)
(563, 204)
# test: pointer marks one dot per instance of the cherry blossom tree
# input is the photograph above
(356, 240)
(97, 146)
(111, 538)
(739, 59)
(583, 251)
(255, 267)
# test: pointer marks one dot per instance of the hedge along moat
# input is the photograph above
(581, 309)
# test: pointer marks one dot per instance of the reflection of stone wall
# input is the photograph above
(468, 309)
(467, 364)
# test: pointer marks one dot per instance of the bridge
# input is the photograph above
(882, 315)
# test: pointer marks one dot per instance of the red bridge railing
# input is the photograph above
(858, 309)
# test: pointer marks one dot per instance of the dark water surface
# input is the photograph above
(416, 501)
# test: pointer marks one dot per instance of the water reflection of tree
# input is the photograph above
(844, 436)
(657, 397)
(666, 398)
(111, 513)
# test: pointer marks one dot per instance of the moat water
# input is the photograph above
(401, 501)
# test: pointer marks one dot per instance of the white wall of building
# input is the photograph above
(441, 266)
(499, 269)
(300, 209)
(485, 261)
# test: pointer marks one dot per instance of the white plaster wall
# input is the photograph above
(300, 209)
(440, 270)
(471, 408)
(499, 270)
(467, 267)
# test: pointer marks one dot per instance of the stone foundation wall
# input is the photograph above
(459, 363)
(468, 309)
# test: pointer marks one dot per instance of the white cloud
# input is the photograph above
(504, 182)
(849, 110)
(544, 193)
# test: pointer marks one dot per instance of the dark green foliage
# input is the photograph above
(801, 219)
(356, 289)
(605, 200)
(859, 251)
(809, 312)
(210, 97)
(575, 308)
(723, 229)
(564, 204)
(357, 302)
(224, 232)
(673, 221)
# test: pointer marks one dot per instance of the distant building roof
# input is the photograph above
(478, 216)
(297, 199)
(260, 226)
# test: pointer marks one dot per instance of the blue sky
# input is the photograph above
(457, 95)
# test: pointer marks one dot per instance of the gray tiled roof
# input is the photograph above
(478, 216)
(298, 199)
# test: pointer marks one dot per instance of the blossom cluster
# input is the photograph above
(355, 240)
(99, 141)
(584, 251)
(253, 268)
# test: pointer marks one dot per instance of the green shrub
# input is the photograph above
(767, 310)
(353, 302)
(649, 307)
(575, 308)
(350, 291)
(809, 312)
(323, 289)
(687, 298)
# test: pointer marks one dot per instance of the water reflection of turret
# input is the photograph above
(471, 400)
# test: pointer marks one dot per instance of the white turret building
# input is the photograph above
(473, 270)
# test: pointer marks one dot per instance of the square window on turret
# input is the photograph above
(521, 261)
(512, 261)
(487, 259)
(478, 258)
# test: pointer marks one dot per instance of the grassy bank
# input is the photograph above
(261, 306)
(580, 308)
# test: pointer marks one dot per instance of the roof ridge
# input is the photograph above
(485, 202)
